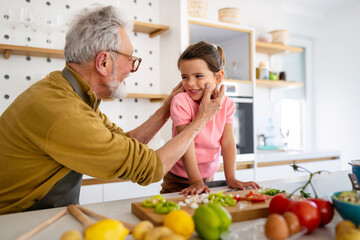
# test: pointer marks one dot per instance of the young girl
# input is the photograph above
(199, 64)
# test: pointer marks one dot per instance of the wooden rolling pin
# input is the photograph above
(41, 226)
(99, 216)
(79, 215)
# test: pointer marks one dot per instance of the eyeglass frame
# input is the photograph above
(133, 58)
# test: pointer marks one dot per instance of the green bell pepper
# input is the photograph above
(211, 220)
(153, 201)
(166, 207)
(223, 200)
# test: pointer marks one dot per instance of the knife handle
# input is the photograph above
(354, 181)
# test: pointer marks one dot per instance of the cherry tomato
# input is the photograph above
(307, 213)
(279, 203)
(325, 208)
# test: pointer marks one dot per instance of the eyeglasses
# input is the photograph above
(135, 60)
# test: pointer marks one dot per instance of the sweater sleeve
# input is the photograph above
(101, 150)
(110, 125)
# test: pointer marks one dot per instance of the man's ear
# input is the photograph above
(219, 76)
(103, 63)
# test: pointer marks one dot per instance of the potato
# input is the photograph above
(172, 237)
(141, 229)
(157, 232)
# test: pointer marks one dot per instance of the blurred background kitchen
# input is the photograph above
(292, 68)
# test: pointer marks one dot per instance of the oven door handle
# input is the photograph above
(242, 100)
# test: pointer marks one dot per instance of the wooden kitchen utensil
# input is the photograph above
(41, 226)
(101, 229)
(80, 216)
(99, 216)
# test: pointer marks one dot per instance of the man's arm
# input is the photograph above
(146, 131)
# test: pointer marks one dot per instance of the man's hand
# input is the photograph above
(176, 90)
(209, 107)
(195, 189)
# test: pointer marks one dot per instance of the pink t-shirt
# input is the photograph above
(207, 143)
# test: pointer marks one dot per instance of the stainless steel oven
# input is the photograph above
(243, 118)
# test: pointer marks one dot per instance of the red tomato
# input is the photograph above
(279, 203)
(325, 208)
(307, 212)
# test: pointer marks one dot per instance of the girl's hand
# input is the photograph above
(233, 183)
(195, 189)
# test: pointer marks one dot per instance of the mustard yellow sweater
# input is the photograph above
(49, 130)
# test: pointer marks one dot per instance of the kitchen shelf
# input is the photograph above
(7, 50)
(277, 84)
(152, 97)
(237, 80)
(272, 48)
(152, 29)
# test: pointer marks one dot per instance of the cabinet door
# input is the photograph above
(237, 44)
(91, 194)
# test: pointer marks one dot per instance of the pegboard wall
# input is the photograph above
(43, 23)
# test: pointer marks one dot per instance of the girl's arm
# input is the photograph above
(197, 185)
(228, 149)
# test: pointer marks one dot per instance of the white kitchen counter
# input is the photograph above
(14, 225)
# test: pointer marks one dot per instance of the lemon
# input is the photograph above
(107, 229)
(180, 222)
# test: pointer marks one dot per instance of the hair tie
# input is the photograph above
(215, 46)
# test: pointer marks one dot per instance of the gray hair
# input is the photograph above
(92, 31)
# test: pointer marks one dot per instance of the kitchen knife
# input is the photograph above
(355, 184)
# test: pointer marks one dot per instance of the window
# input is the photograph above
(293, 102)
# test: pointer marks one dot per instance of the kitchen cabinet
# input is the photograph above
(237, 44)
(271, 49)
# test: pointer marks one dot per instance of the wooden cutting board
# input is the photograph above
(244, 210)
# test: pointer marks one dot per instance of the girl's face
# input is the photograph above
(195, 74)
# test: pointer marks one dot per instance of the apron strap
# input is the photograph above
(71, 79)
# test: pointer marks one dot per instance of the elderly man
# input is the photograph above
(54, 131)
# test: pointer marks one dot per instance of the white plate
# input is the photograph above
(254, 232)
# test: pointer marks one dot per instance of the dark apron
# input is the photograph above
(67, 190)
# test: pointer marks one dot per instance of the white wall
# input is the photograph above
(337, 83)
(335, 77)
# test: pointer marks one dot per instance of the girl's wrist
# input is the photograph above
(196, 181)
